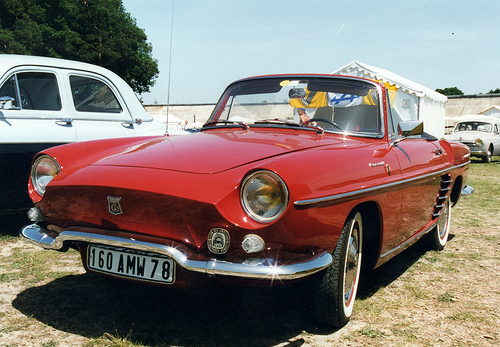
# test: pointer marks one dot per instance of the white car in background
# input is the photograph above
(45, 102)
(480, 133)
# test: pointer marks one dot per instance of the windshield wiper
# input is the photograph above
(281, 121)
(276, 121)
(225, 121)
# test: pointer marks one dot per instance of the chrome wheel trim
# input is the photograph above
(443, 224)
(352, 265)
(487, 157)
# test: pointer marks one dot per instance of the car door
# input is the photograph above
(420, 161)
(99, 110)
(33, 117)
(32, 111)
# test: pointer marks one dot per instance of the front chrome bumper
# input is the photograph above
(476, 150)
(269, 269)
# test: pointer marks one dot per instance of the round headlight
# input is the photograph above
(43, 171)
(479, 142)
(264, 196)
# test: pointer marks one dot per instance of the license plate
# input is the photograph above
(128, 263)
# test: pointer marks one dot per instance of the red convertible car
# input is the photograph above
(293, 177)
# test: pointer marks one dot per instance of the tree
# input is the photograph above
(93, 31)
(496, 91)
(450, 91)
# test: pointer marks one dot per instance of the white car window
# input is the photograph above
(92, 95)
(9, 95)
(35, 90)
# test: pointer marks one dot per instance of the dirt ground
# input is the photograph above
(420, 298)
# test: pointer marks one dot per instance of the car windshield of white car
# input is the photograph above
(474, 126)
(334, 104)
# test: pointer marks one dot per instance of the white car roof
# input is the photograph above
(477, 117)
(9, 61)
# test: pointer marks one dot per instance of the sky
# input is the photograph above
(203, 45)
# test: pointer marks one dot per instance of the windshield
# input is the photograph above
(474, 126)
(334, 104)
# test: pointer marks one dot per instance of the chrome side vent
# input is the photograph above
(444, 190)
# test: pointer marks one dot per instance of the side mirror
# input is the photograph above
(410, 128)
(6, 102)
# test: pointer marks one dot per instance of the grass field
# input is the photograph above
(420, 298)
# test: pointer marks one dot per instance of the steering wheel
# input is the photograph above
(326, 121)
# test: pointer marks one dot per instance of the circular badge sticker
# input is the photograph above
(218, 241)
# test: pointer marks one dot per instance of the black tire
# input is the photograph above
(489, 154)
(336, 287)
(438, 237)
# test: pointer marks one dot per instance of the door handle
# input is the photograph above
(127, 124)
(64, 122)
(438, 151)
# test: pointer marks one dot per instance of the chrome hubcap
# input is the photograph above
(352, 263)
(443, 222)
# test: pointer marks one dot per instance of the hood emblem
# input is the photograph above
(218, 241)
(114, 205)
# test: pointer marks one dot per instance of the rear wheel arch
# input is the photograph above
(456, 190)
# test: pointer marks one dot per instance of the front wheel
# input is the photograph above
(336, 287)
(489, 154)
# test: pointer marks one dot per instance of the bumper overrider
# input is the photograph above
(259, 268)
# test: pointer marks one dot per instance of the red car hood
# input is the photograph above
(214, 150)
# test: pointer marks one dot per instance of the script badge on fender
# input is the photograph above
(114, 205)
(218, 241)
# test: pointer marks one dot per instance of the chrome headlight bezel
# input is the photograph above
(264, 196)
(44, 169)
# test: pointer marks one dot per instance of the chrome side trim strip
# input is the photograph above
(362, 193)
(268, 270)
(410, 241)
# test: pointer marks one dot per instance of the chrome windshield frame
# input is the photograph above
(226, 100)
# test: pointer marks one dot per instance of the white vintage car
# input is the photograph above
(480, 133)
(46, 102)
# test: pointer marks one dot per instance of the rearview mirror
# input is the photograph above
(297, 93)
